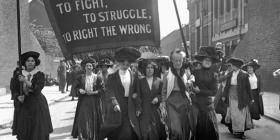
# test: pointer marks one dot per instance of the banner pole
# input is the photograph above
(181, 29)
(19, 42)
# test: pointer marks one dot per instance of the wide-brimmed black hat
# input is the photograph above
(28, 54)
(207, 52)
(253, 63)
(236, 62)
(127, 53)
(105, 62)
(88, 60)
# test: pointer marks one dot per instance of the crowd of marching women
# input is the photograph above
(145, 99)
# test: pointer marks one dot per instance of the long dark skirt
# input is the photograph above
(74, 132)
(125, 131)
(207, 126)
(73, 92)
(149, 122)
(256, 109)
(220, 106)
(62, 83)
(89, 118)
(33, 119)
(16, 117)
(177, 119)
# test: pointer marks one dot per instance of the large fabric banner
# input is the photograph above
(87, 25)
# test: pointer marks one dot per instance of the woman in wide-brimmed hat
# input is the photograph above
(237, 95)
(121, 122)
(207, 127)
(32, 121)
(256, 108)
(88, 116)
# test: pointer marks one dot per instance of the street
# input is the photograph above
(63, 111)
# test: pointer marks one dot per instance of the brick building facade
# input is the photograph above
(263, 40)
(213, 21)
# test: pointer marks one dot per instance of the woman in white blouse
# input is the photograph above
(88, 116)
(256, 109)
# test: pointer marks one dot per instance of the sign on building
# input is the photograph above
(88, 25)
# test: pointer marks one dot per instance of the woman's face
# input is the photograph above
(104, 68)
(250, 69)
(89, 67)
(177, 61)
(188, 71)
(124, 65)
(234, 68)
(163, 68)
(207, 62)
(150, 70)
(30, 63)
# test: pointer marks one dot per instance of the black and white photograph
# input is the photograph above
(140, 69)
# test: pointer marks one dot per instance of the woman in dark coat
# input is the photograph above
(33, 121)
(149, 89)
(256, 108)
(88, 117)
(206, 89)
(121, 122)
(237, 95)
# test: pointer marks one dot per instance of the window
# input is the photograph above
(235, 3)
(221, 7)
(197, 38)
(197, 10)
(205, 36)
(205, 7)
(216, 8)
(228, 5)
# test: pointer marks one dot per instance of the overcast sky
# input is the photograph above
(167, 15)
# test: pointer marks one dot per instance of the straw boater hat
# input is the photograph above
(236, 62)
(127, 53)
(33, 54)
(253, 63)
(207, 52)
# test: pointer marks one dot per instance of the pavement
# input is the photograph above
(271, 103)
(7, 107)
(62, 111)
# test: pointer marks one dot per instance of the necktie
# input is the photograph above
(29, 77)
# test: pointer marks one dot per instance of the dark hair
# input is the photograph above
(146, 65)
(37, 61)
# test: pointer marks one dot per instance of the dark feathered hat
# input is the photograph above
(236, 62)
(207, 52)
(253, 63)
(33, 54)
(127, 53)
